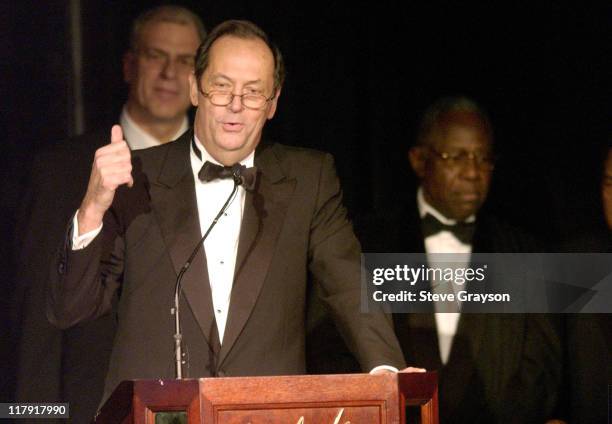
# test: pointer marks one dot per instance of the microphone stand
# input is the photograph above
(178, 336)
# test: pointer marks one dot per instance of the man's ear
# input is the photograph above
(193, 89)
(417, 157)
(274, 104)
(129, 67)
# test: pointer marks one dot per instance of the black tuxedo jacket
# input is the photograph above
(293, 224)
(502, 367)
(55, 365)
(588, 348)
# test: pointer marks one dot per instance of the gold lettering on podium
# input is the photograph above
(336, 421)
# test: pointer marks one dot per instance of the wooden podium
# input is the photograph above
(314, 399)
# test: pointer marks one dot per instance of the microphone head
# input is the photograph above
(244, 176)
(237, 173)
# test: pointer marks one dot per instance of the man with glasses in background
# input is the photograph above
(493, 368)
(69, 366)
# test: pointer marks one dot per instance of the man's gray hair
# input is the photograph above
(166, 13)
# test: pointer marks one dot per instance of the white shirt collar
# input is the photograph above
(425, 208)
(137, 138)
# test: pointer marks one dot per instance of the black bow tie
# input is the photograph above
(246, 176)
(464, 231)
(211, 171)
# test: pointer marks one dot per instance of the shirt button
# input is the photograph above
(221, 262)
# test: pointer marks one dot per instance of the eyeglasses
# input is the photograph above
(484, 161)
(248, 100)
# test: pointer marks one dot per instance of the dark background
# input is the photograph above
(358, 78)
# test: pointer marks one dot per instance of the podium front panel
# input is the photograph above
(333, 399)
(320, 399)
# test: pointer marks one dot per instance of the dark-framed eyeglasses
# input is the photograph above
(483, 161)
(248, 100)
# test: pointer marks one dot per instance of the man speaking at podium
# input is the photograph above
(243, 302)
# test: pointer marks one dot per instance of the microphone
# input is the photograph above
(244, 176)
(178, 336)
(237, 174)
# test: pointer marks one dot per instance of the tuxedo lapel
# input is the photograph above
(174, 203)
(464, 353)
(465, 346)
(416, 332)
(418, 338)
(263, 217)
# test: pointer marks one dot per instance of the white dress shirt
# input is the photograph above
(444, 242)
(221, 245)
(137, 138)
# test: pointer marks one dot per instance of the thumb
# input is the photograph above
(116, 134)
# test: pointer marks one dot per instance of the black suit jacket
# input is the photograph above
(588, 349)
(502, 367)
(55, 365)
(293, 224)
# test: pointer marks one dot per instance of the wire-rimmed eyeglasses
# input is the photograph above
(484, 161)
(248, 100)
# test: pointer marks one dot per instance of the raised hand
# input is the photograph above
(111, 168)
